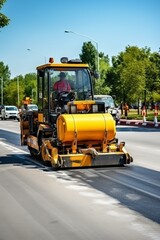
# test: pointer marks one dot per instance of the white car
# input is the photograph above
(109, 106)
(10, 112)
(32, 107)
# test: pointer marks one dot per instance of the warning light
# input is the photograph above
(51, 60)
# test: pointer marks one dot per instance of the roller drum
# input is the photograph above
(85, 127)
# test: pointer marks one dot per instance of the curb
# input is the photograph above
(139, 123)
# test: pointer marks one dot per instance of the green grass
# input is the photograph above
(133, 114)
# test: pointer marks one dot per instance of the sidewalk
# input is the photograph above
(139, 123)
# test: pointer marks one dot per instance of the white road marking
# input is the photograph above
(78, 187)
(106, 201)
(136, 177)
(10, 130)
(12, 148)
(129, 186)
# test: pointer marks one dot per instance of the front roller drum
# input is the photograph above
(119, 159)
(89, 160)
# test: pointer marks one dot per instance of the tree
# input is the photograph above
(4, 77)
(100, 85)
(153, 77)
(11, 93)
(20, 87)
(129, 74)
(4, 21)
(30, 82)
(89, 55)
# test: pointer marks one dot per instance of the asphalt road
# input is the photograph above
(143, 143)
(94, 203)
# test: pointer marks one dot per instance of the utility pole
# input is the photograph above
(1, 90)
(18, 91)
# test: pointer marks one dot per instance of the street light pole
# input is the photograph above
(18, 91)
(1, 90)
(68, 31)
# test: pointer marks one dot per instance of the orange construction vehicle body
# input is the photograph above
(71, 129)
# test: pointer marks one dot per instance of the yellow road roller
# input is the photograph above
(70, 128)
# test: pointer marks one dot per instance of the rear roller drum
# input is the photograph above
(45, 156)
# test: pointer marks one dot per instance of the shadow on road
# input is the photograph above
(135, 187)
(10, 137)
(21, 160)
(109, 180)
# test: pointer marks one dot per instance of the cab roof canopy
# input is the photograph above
(64, 63)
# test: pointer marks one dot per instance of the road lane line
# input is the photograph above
(139, 178)
(12, 148)
(128, 185)
(10, 130)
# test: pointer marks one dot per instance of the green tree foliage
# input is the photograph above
(100, 84)
(89, 55)
(153, 77)
(14, 91)
(11, 93)
(4, 21)
(30, 82)
(20, 87)
(133, 72)
(4, 77)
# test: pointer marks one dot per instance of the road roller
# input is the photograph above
(70, 129)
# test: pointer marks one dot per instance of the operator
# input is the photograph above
(62, 85)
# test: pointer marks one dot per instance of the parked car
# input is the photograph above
(30, 107)
(110, 106)
(9, 112)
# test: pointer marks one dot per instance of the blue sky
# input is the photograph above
(40, 24)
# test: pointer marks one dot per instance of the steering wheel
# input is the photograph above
(66, 96)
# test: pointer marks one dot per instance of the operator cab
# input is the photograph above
(76, 74)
